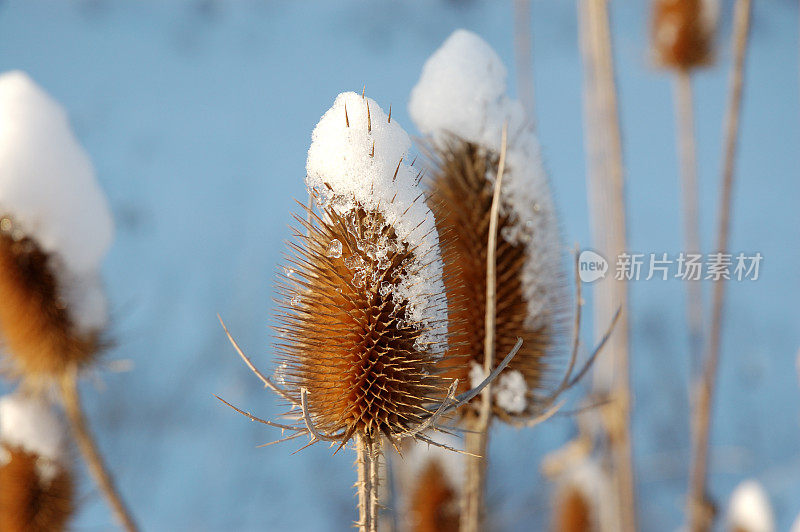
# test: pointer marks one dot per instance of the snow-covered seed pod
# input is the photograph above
(434, 502)
(749, 509)
(581, 495)
(460, 103)
(55, 228)
(683, 33)
(429, 483)
(363, 320)
(36, 489)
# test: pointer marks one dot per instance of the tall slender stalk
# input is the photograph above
(700, 518)
(477, 442)
(367, 485)
(691, 209)
(91, 454)
(605, 184)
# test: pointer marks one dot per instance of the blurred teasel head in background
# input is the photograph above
(55, 229)
(682, 33)
(460, 104)
(36, 488)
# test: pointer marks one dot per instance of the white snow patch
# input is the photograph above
(476, 375)
(509, 390)
(749, 508)
(30, 424)
(462, 93)
(48, 187)
(342, 170)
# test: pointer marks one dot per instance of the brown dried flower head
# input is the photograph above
(434, 504)
(29, 501)
(462, 200)
(683, 33)
(460, 104)
(55, 229)
(573, 512)
(36, 491)
(363, 320)
(36, 328)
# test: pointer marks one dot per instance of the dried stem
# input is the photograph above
(605, 185)
(88, 448)
(367, 485)
(691, 209)
(700, 518)
(477, 442)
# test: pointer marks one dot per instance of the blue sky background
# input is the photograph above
(198, 116)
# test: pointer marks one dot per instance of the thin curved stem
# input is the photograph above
(700, 518)
(691, 210)
(90, 452)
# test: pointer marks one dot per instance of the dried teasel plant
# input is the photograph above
(682, 41)
(364, 315)
(428, 484)
(55, 229)
(38, 330)
(502, 251)
(36, 487)
(683, 33)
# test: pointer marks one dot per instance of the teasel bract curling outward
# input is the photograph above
(460, 104)
(683, 33)
(36, 488)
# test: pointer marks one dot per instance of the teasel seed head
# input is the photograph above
(37, 330)
(55, 229)
(429, 481)
(581, 495)
(36, 488)
(461, 105)
(434, 502)
(363, 309)
(683, 33)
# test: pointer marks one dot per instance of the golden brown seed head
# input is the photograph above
(434, 503)
(461, 202)
(28, 502)
(36, 330)
(572, 512)
(346, 337)
(682, 34)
